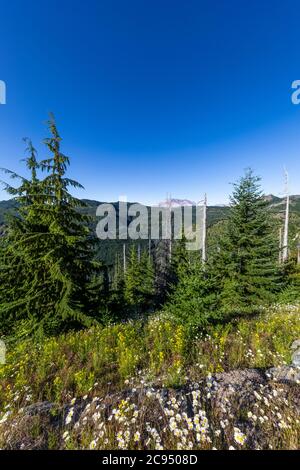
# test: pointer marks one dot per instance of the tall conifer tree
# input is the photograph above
(139, 281)
(47, 256)
(246, 262)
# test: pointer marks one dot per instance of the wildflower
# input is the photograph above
(239, 437)
(136, 436)
(93, 444)
(190, 424)
(96, 416)
(69, 416)
(257, 395)
(173, 424)
(121, 443)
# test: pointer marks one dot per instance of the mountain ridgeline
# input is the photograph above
(109, 249)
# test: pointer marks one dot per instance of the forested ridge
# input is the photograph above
(112, 346)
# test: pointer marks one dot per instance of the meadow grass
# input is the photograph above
(92, 365)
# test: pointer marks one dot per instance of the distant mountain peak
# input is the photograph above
(176, 203)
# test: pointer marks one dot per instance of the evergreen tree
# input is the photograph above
(139, 281)
(246, 261)
(162, 269)
(147, 276)
(48, 274)
(179, 259)
(116, 300)
(290, 275)
(194, 300)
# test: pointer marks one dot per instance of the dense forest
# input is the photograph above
(160, 349)
(54, 276)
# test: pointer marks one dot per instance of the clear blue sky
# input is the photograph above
(155, 96)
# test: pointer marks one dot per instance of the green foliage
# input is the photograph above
(194, 301)
(50, 279)
(245, 263)
(67, 365)
(241, 273)
(180, 258)
(291, 282)
(139, 281)
(46, 257)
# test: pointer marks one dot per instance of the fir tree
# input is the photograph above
(290, 276)
(180, 259)
(194, 300)
(139, 282)
(246, 261)
(116, 299)
(47, 257)
(162, 269)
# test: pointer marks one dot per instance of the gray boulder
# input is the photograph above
(296, 354)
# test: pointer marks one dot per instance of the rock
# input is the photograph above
(296, 358)
(296, 344)
(289, 373)
(296, 354)
(2, 352)
(222, 395)
(39, 408)
(285, 374)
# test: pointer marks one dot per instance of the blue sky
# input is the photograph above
(154, 96)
